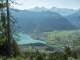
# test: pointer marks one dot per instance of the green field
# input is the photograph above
(62, 37)
(59, 37)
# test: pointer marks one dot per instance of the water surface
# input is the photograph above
(26, 39)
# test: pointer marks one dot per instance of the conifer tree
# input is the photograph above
(5, 28)
(8, 29)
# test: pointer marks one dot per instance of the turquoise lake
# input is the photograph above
(26, 39)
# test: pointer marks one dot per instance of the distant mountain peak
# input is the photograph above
(62, 11)
(38, 9)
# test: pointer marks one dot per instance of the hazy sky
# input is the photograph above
(27, 4)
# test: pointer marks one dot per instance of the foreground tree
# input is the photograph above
(8, 29)
(10, 45)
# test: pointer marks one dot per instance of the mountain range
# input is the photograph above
(43, 21)
(62, 11)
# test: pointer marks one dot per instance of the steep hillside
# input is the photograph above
(75, 18)
(42, 21)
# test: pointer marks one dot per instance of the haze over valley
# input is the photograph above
(53, 26)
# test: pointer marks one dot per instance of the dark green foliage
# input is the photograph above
(39, 57)
(74, 54)
(2, 5)
(49, 56)
(67, 52)
(3, 49)
(56, 56)
(8, 46)
(15, 48)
